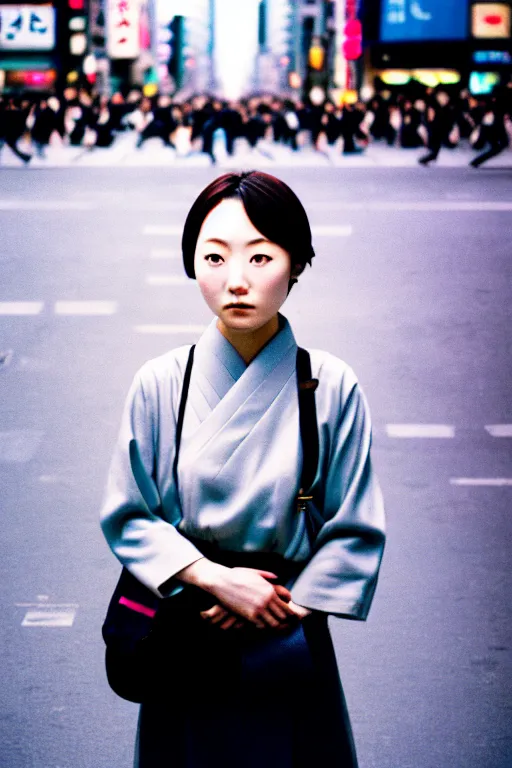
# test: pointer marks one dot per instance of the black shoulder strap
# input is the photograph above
(307, 416)
(181, 412)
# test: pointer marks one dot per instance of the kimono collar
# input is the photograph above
(213, 344)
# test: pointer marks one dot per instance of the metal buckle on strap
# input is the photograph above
(302, 499)
(308, 385)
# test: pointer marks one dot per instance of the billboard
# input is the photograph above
(27, 27)
(123, 29)
(423, 20)
(490, 20)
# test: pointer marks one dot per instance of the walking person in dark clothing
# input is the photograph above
(210, 125)
(230, 120)
(13, 126)
(104, 125)
(381, 127)
(44, 124)
(157, 121)
(409, 136)
(350, 129)
(292, 125)
(440, 119)
(492, 132)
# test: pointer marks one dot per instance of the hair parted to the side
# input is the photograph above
(273, 208)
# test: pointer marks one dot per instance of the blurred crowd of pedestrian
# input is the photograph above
(430, 118)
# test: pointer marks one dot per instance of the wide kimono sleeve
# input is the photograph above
(341, 576)
(138, 529)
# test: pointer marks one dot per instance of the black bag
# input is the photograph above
(145, 634)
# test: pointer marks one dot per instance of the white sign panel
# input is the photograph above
(123, 29)
(27, 28)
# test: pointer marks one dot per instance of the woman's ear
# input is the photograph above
(297, 269)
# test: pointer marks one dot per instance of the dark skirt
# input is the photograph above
(270, 700)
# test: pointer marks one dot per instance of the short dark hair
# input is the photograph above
(272, 207)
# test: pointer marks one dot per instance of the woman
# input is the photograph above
(277, 700)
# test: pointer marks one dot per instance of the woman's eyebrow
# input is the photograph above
(218, 241)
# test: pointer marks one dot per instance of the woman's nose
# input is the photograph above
(236, 282)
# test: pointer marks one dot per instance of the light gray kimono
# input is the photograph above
(239, 470)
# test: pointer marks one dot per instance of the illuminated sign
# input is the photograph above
(490, 20)
(123, 29)
(32, 79)
(27, 28)
(492, 57)
(414, 20)
(483, 82)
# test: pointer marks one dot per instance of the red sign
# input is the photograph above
(353, 42)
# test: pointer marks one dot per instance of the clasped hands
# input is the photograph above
(244, 596)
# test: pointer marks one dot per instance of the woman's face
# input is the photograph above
(243, 276)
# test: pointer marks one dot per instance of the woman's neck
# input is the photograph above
(249, 343)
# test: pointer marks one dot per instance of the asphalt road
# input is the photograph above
(412, 285)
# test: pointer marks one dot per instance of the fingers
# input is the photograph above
(215, 615)
(283, 593)
(266, 574)
(222, 618)
(229, 622)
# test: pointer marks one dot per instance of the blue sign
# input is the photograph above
(415, 20)
(492, 57)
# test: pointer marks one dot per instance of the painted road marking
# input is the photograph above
(169, 280)
(169, 229)
(164, 253)
(165, 329)
(499, 430)
(495, 482)
(343, 230)
(420, 430)
(85, 307)
(21, 307)
(46, 205)
(48, 614)
(425, 205)
(18, 446)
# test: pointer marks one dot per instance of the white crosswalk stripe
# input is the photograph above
(492, 482)
(499, 430)
(85, 307)
(21, 307)
(420, 430)
(45, 614)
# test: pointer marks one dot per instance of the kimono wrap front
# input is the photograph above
(238, 474)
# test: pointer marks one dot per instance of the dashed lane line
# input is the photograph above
(164, 329)
(479, 482)
(20, 308)
(85, 307)
(47, 205)
(420, 430)
(48, 614)
(420, 205)
(168, 280)
(499, 430)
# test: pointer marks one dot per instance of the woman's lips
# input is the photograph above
(238, 306)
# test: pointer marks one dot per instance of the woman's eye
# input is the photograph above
(261, 258)
(214, 258)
